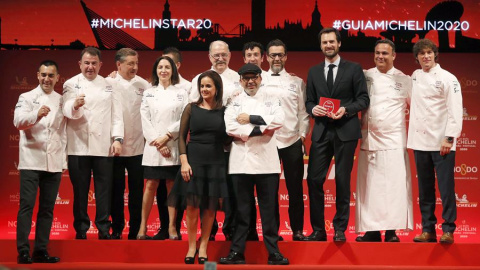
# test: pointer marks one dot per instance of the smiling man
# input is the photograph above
(94, 135)
(334, 134)
(39, 118)
(384, 186)
(129, 88)
(252, 119)
(436, 116)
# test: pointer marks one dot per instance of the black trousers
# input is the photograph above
(267, 194)
(134, 167)
(427, 163)
(80, 169)
(30, 182)
(293, 168)
(321, 154)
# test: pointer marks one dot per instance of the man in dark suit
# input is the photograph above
(335, 134)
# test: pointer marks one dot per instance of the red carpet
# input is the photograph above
(124, 254)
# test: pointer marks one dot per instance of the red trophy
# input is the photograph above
(330, 104)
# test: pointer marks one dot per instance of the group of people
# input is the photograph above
(209, 144)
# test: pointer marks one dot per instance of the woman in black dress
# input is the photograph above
(203, 168)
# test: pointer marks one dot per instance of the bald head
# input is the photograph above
(219, 55)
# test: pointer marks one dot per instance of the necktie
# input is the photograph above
(330, 77)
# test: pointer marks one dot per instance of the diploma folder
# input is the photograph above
(330, 104)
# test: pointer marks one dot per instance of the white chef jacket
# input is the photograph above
(92, 128)
(184, 84)
(231, 86)
(130, 95)
(290, 90)
(257, 154)
(436, 111)
(42, 144)
(383, 123)
(383, 191)
(161, 111)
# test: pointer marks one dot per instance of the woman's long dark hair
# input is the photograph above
(217, 81)
(173, 80)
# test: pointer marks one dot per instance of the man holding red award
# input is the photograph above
(334, 83)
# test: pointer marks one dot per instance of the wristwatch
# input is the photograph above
(119, 140)
(449, 139)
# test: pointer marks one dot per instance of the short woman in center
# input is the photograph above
(203, 170)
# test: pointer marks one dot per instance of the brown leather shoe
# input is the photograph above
(426, 237)
(447, 238)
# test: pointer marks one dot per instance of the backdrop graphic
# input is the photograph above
(44, 27)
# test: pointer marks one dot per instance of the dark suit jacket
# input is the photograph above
(349, 87)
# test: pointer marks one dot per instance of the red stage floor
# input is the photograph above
(124, 254)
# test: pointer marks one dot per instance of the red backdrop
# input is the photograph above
(19, 75)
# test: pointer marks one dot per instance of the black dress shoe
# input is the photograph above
(117, 235)
(81, 236)
(24, 258)
(277, 259)
(104, 236)
(371, 236)
(339, 237)
(233, 258)
(298, 236)
(391, 236)
(317, 236)
(43, 257)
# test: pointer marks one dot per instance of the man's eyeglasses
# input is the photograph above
(248, 78)
(275, 55)
(218, 55)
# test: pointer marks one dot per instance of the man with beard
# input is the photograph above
(384, 186)
(252, 119)
(290, 90)
(335, 134)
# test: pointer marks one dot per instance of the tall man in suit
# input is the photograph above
(335, 134)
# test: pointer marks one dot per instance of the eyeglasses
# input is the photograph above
(274, 55)
(218, 55)
(247, 79)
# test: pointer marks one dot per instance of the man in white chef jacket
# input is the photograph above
(129, 87)
(252, 119)
(436, 115)
(219, 55)
(176, 56)
(94, 135)
(290, 90)
(384, 186)
(39, 118)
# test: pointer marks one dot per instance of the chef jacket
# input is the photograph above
(383, 122)
(290, 90)
(254, 154)
(161, 111)
(436, 110)
(92, 128)
(130, 96)
(42, 143)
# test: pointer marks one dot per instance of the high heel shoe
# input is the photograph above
(173, 237)
(144, 237)
(202, 260)
(191, 260)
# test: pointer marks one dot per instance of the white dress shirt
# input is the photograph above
(290, 90)
(42, 143)
(231, 86)
(161, 111)
(130, 95)
(383, 123)
(436, 110)
(92, 128)
(257, 154)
